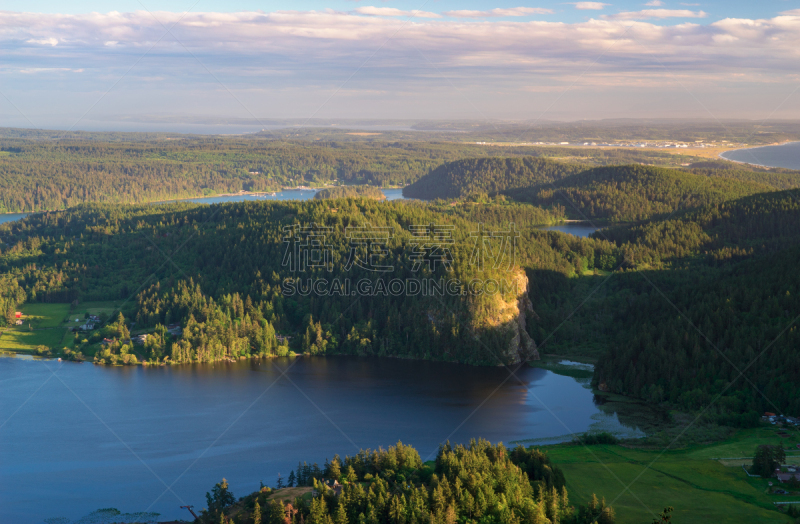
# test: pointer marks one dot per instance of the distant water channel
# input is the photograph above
(78, 437)
(785, 155)
(572, 228)
(12, 217)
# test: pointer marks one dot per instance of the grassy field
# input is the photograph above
(44, 315)
(701, 488)
(46, 321)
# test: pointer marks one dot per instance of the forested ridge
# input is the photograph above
(634, 193)
(224, 282)
(478, 483)
(488, 176)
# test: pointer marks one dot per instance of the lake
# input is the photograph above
(286, 194)
(11, 217)
(78, 437)
(573, 228)
(785, 155)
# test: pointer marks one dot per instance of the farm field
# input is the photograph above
(700, 487)
(43, 326)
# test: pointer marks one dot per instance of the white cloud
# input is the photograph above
(654, 3)
(391, 11)
(793, 12)
(43, 41)
(499, 12)
(657, 13)
(590, 5)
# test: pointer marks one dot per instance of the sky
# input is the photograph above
(94, 64)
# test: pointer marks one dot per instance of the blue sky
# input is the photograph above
(564, 11)
(90, 64)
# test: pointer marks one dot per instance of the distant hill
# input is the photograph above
(351, 192)
(735, 228)
(487, 176)
(634, 193)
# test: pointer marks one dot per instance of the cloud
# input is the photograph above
(43, 41)
(590, 5)
(654, 3)
(499, 12)
(391, 11)
(656, 13)
(301, 48)
(793, 12)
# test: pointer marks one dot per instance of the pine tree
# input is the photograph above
(292, 479)
(257, 514)
(280, 482)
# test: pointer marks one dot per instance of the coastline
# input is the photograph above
(776, 144)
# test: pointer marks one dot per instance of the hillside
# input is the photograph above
(239, 274)
(730, 229)
(633, 193)
(480, 176)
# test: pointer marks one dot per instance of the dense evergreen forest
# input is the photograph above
(481, 176)
(351, 192)
(49, 170)
(222, 273)
(479, 483)
(633, 193)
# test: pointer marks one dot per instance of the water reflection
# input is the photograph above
(93, 437)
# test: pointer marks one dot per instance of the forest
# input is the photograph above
(688, 295)
(477, 483)
(351, 192)
(50, 170)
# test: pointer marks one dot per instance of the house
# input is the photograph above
(18, 322)
(18, 314)
(87, 327)
(791, 472)
(94, 318)
(107, 341)
(174, 329)
(140, 340)
(336, 487)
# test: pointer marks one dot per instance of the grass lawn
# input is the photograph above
(700, 488)
(289, 494)
(44, 315)
(46, 321)
(24, 340)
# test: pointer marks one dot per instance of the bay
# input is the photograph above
(78, 437)
(784, 155)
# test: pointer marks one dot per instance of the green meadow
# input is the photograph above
(694, 481)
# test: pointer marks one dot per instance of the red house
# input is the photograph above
(18, 314)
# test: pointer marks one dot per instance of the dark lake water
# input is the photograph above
(579, 230)
(11, 217)
(78, 437)
(786, 155)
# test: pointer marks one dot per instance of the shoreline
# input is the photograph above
(776, 144)
(182, 199)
